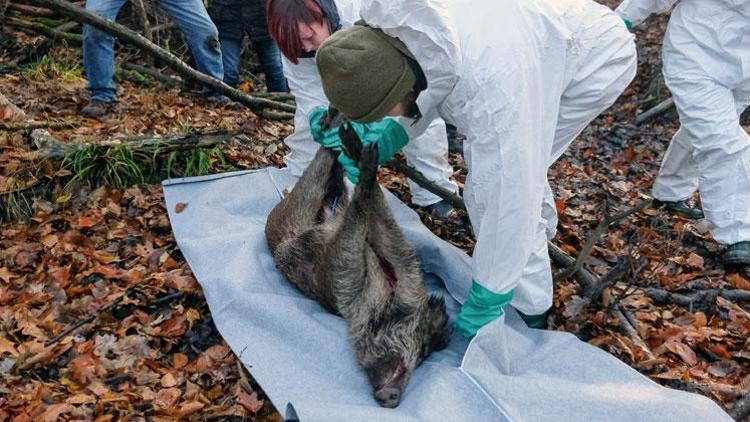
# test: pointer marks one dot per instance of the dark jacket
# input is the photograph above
(235, 18)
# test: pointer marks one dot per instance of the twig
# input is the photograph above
(31, 10)
(426, 183)
(166, 299)
(275, 115)
(585, 279)
(630, 331)
(109, 307)
(654, 112)
(88, 319)
(700, 296)
(168, 80)
(31, 125)
(53, 33)
(594, 237)
(140, 12)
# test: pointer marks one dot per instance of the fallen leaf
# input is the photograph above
(721, 351)
(700, 320)
(696, 261)
(189, 408)
(52, 412)
(179, 360)
(249, 401)
(738, 282)
(173, 327)
(168, 380)
(83, 369)
(682, 350)
(85, 222)
(166, 399)
(81, 399)
(6, 274)
(6, 346)
(180, 207)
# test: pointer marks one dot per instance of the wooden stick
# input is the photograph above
(654, 112)
(428, 184)
(596, 234)
(53, 33)
(31, 125)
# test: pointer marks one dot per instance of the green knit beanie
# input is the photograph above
(365, 73)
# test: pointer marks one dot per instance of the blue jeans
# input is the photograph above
(190, 16)
(270, 60)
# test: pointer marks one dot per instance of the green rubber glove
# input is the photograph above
(628, 24)
(327, 137)
(387, 134)
(481, 308)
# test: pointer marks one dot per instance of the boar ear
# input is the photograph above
(437, 317)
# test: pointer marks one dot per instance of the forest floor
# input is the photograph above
(101, 317)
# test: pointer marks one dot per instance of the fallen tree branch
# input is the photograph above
(428, 184)
(31, 125)
(125, 34)
(165, 79)
(654, 112)
(630, 331)
(31, 10)
(594, 237)
(701, 296)
(109, 307)
(51, 148)
(175, 81)
(53, 33)
(276, 115)
(78, 324)
(585, 279)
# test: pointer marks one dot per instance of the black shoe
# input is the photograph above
(441, 210)
(535, 321)
(96, 108)
(455, 139)
(737, 254)
(680, 208)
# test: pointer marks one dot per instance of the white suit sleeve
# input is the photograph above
(638, 10)
(304, 83)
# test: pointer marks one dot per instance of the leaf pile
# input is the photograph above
(101, 315)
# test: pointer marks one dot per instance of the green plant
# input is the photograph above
(50, 68)
(116, 166)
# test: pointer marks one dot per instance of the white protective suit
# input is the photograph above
(428, 152)
(521, 79)
(706, 58)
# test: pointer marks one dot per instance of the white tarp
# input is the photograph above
(300, 356)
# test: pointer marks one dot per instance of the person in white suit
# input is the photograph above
(706, 65)
(298, 27)
(521, 79)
